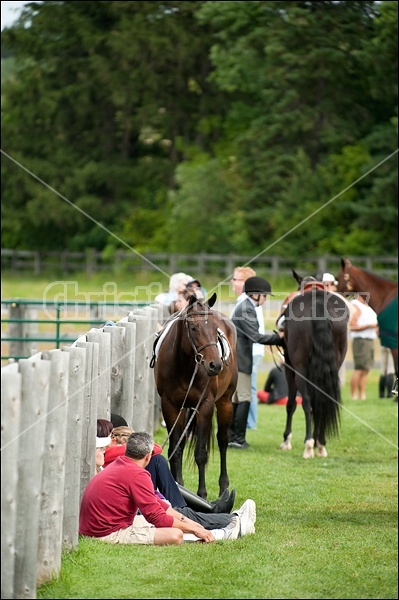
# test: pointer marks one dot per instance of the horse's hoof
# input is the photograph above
(286, 445)
(321, 451)
(309, 452)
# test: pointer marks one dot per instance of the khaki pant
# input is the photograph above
(243, 391)
(140, 532)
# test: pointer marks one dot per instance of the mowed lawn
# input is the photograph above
(326, 527)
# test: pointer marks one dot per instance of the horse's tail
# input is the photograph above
(323, 386)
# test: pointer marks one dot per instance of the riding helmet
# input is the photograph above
(257, 285)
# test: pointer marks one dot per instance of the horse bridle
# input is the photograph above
(348, 286)
(198, 357)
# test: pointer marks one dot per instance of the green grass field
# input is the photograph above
(326, 528)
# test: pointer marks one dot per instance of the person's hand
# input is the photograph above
(204, 534)
(280, 333)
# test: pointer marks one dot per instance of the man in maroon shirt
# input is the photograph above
(112, 498)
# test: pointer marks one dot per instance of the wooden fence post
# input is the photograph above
(141, 405)
(76, 403)
(104, 371)
(53, 482)
(89, 423)
(11, 381)
(117, 352)
(125, 407)
(35, 374)
(153, 397)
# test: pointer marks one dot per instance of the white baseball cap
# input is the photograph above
(103, 442)
(329, 278)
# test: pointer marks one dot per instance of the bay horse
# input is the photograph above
(315, 339)
(383, 299)
(195, 371)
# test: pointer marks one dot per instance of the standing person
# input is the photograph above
(387, 374)
(329, 281)
(112, 498)
(177, 283)
(245, 320)
(363, 332)
(194, 287)
(330, 284)
(240, 275)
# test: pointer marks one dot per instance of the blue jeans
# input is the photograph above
(252, 420)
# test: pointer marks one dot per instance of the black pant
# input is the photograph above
(163, 480)
(207, 520)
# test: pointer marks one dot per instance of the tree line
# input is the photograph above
(215, 127)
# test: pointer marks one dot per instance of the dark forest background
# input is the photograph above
(201, 127)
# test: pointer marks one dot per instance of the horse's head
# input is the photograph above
(344, 277)
(202, 334)
(302, 281)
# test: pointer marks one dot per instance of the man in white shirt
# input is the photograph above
(363, 329)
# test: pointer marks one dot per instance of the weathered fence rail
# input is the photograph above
(221, 265)
(50, 404)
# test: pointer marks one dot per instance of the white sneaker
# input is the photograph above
(247, 515)
(232, 531)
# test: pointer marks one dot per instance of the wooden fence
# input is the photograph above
(220, 265)
(50, 405)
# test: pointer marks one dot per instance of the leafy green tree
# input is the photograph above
(201, 126)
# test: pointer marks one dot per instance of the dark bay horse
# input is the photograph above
(383, 299)
(315, 335)
(195, 373)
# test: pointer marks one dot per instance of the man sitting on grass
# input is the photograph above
(112, 498)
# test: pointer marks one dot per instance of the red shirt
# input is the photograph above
(113, 452)
(112, 498)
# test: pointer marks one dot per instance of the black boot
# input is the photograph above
(232, 433)
(225, 502)
(389, 384)
(382, 386)
(240, 426)
(195, 502)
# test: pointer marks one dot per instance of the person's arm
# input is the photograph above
(188, 526)
(247, 322)
(354, 321)
(355, 314)
(157, 449)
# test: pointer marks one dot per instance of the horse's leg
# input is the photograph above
(224, 415)
(204, 429)
(309, 440)
(321, 447)
(290, 408)
(171, 414)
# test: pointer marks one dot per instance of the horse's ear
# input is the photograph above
(191, 299)
(297, 277)
(212, 300)
(345, 263)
